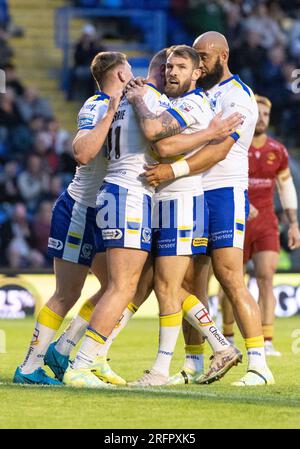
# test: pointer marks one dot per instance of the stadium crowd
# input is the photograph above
(36, 164)
(36, 161)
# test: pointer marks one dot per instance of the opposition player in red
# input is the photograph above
(268, 165)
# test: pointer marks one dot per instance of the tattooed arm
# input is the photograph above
(155, 127)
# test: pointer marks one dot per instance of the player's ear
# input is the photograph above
(196, 74)
(121, 76)
(163, 70)
(224, 56)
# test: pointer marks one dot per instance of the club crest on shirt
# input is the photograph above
(271, 157)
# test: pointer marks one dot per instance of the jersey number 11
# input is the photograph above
(117, 133)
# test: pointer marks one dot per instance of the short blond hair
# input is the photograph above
(105, 61)
(263, 100)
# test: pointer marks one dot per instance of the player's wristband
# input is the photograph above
(180, 168)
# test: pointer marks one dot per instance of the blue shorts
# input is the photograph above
(228, 212)
(180, 225)
(124, 217)
(74, 235)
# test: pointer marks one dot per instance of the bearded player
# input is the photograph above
(268, 164)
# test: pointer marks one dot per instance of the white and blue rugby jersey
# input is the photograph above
(230, 96)
(128, 150)
(193, 112)
(89, 177)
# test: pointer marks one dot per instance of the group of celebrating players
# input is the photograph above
(170, 155)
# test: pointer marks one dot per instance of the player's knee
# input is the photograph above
(123, 287)
(265, 281)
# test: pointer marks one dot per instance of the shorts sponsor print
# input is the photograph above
(228, 211)
(124, 217)
(180, 225)
(73, 233)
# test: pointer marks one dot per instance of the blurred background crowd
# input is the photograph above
(36, 162)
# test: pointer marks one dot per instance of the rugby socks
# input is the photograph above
(89, 349)
(48, 322)
(197, 315)
(76, 329)
(256, 352)
(130, 310)
(168, 333)
(194, 358)
(268, 332)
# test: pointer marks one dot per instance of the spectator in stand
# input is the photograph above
(6, 236)
(14, 134)
(6, 52)
(43, 147)
(33, 182)
(12, 80)
(40, 228)
(273, 80)
(261, 22)
(4, 14)
(31, 104)
(10, 116)
(55, 188)
(248, 59)
(57, 135)
(67, 163)
(19, 251)
(9, 190)
(86, 48)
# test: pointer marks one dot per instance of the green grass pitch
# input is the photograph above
(218, 405)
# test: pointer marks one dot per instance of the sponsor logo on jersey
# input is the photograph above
(164, 104)
(86, 250)
(257, 154)
(146, 235)
(186, 107)
(112, 234)
(85, 120)
(55, 244)
(200, 241)
(90, 106)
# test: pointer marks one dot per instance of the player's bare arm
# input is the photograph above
(288, 198)
(87, 143)
(217, 130)
(200, 162)
(155, 127)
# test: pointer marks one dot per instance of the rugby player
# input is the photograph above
(57, 356)
(73, 240)
(127, 235)
(225, 187)
(179, 215)
(268, 165)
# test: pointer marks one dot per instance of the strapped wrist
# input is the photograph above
(180, 168)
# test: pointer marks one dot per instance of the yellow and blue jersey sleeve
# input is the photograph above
(92, 112)
(187, 111)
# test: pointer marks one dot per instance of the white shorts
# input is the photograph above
(124, 217)
(180, 225)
